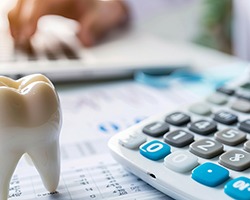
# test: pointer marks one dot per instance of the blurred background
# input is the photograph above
(210, 23)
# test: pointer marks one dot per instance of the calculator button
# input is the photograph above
(132, 140)
(246, 86)
(225, 117)
(203, 127)
(210, 174)
(244, 94)
(245, 126)
(155, 150)
(238, 188)
(206, 148)
(247, 146)
(200, 109)
(156, 129)
(178, 138)
(230, 136)
(217, 98)
(227, 91)
(177, 119)
(235, 159)
(181, 161)
(241, 105)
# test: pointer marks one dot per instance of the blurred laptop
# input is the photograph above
(57, 53)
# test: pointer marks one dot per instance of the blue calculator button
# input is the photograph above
(238, 188)
(210, 174)
(154, 150)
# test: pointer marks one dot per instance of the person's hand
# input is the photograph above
(95, 17)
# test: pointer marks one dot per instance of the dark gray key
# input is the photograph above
(156, 129)
(247, 146)
(224, 90)
(203, 127)
(230, 136)
(245, 126)
(225, 117)
(235, 159)
(246, 86)
(200, 109)
(177, 119)
(178, 138)
(241, 105)
(206, 148)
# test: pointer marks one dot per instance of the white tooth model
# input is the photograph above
(30, 122)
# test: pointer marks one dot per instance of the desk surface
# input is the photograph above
(92, 113)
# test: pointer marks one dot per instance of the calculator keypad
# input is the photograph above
(221, 135)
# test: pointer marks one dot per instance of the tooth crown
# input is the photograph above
(30, 122)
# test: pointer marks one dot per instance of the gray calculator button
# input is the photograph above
(225, 90)
(247, 146)
(245, 126)
(177, 119)
(156, 129)
(241, 105)
(230, 136)
(243, 94)
(206, 148)
(235, 159)
(200, 109)
(217, 98)
(225, 117)
(178, 138)
(203, 127)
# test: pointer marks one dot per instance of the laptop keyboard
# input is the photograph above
(9, 52)
(46, 45)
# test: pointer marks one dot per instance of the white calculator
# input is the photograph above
(200, 152)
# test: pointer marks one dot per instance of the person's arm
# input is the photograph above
(95, 17)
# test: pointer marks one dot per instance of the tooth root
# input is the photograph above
(7, 167)
(46, 159)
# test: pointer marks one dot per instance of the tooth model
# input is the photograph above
(30, 122)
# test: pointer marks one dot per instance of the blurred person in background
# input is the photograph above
(225, 23)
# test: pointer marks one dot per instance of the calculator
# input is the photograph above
(200, 151)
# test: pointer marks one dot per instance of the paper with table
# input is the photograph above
(91, 115)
